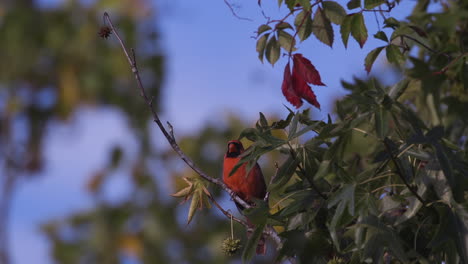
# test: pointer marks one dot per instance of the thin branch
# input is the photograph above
(156, 119)
(269, 231)
(227, 213)
(425, 46)
(234, 12)
(400, 173)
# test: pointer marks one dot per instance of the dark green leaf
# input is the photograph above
(290, 4)
(286, 40)
(305, 4)
(391, 23)
(370, 4)
(303, 23)
(283, 25)
(353, 4)
(322, 170)
(283, 123)
(261, 45)
(249, 133)
(358, 29)
(334, 11)
(394, 54)
(263, 28)
(272, 52)
(293, 127)
(371, 57)
(345, 29)
(263, 121)
(284, 174)
(381, 35)
(321, 28)
(435, 134)
(381, 122)
(398, 89)
(344, 196)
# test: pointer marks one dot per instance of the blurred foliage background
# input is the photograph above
(53, 63)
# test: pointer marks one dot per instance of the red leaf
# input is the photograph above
(306, 70)
(288, 89)
(303, 89)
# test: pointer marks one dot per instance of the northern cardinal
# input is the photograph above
(247, 188)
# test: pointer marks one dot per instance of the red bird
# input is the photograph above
(247, 188)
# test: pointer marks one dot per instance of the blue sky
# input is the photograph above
(213, 70)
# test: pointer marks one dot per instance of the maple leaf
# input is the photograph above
(197, 191)
(306, 70)
(296, 87)
(303, 89)
(288, 88)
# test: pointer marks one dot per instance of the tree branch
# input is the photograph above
(234, 12)
(168, 135)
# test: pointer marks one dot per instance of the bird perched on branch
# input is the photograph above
(245, 186)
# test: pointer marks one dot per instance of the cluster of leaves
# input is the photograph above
(53, 63)
(270, 40)
(378, 184)
(386, 182)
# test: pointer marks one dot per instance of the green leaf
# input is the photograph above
(303, 23)
(251, 246)
(272, 52)
(305, 4)
(321, 27)
(370, 4)
(283, 25)
(284, 174)
(344, 196)
(381, 35)
(261, 45)
(283, 123)
(394, 54)
(194, 205)
(398, 89)
(381, 122)
(290, 4)
(345, 29)
(353, 4)
(286, 40)
(358, 29)
(334, 12)
(391, 23)
(293, 127)
(371, 57)
(262, 28)
(263, 121)
(322, 170)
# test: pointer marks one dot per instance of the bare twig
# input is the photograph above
(227, 213)
(426, 47)
(234, 12)
(158, 122)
